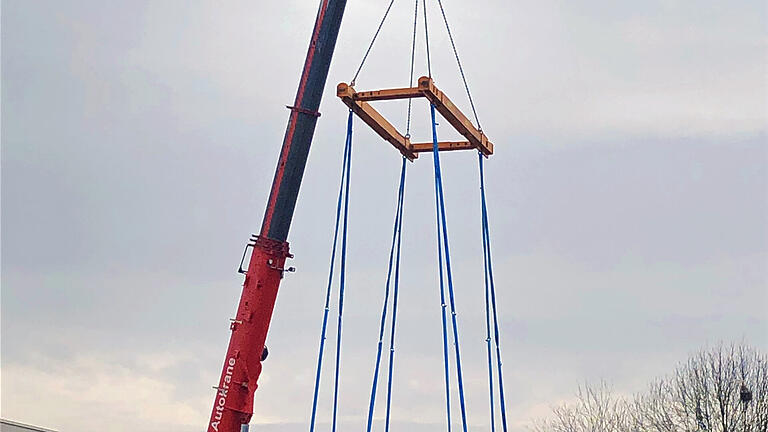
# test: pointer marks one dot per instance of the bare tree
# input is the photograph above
(596, 409)
(723, 389)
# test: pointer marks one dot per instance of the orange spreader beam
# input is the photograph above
(358, 103)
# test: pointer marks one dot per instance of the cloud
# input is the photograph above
(94, 391)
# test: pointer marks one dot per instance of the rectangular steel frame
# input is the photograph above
(358, 103)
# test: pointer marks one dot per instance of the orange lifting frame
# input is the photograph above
(358, 103)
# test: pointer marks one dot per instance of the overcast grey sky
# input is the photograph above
(628, 197)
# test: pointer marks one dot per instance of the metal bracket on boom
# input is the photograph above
(252, 243)
(358, 103)
(303, 111)
(240, 269)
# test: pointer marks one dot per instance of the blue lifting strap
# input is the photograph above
(490, 294)
(343, 198)
(442, 246)
(394, 260)
(447, 296)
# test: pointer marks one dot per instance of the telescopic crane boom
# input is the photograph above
(233, 405)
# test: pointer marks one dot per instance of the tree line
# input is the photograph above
(720, 389)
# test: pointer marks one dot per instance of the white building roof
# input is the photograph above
(13, 426)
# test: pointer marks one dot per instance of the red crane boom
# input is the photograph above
(233, 404)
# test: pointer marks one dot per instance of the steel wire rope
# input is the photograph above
(458, 61)
(370, 46)
(413, 62)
